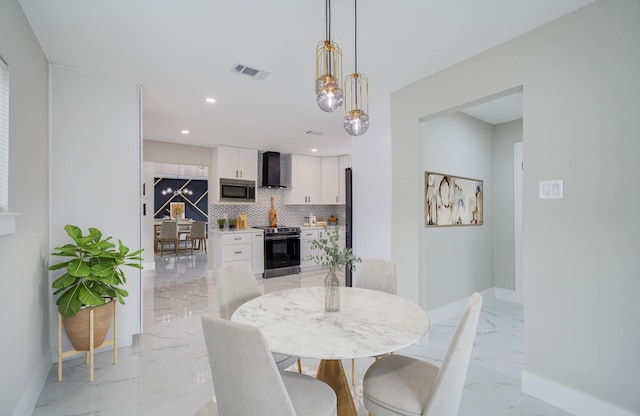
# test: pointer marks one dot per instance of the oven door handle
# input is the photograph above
(282, 237)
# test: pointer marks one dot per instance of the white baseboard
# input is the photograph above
(29, 397)
(567, 398)
(505, 294)
(454, 308)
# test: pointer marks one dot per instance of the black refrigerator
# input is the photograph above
(348, 213)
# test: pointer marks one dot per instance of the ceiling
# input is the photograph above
(498, 110)
(183, 51)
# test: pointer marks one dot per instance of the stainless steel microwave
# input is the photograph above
(237, 190)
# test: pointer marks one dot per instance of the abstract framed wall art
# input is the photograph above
(177, 210)
(451, 200)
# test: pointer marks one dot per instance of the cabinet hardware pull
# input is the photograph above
(237, 252)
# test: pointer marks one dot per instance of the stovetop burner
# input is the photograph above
(279, 229)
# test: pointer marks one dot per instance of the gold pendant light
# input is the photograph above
(329, 95)
(356, 87)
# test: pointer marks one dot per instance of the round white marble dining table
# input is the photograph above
(369, 323)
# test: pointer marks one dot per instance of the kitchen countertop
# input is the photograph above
(238, 230)
(314, 227)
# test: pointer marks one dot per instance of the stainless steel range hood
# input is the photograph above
(271, 170)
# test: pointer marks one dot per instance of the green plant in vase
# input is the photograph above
(331, 255)
(221, 223)
(93, 277)
(232, 223)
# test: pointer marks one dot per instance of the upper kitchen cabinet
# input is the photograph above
(333, 179)
(236, 163)
(330, 180)
(304, 174)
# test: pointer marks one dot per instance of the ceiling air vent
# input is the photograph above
(250, 72)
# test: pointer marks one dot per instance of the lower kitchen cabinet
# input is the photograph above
(307, 236)
(258, 252)
(242, 246)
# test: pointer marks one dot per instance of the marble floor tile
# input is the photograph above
(166, 370)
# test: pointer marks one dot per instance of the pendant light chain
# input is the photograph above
(355, 34)
(355, 37)
(328, 30)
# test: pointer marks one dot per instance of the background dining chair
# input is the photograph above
(236, 284)
(399, 385)
(198, 233)
(247, 382)
(375, 274)
(168, 233)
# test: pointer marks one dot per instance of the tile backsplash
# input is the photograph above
(288, 215)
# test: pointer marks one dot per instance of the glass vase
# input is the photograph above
(331, 293)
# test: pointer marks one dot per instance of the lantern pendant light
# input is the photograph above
(356, 87)
(329, 95)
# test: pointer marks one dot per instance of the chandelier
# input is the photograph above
(179, 191)
(356, 87)
(329, 95)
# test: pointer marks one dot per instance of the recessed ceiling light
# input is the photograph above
(184, 131)
(210, 100)
(314, 150)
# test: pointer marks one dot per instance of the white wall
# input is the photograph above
(95, 171)
(504, 137)
(456, 260)
(179, 154)
(24, 298)
(371, 170)
(581, 87)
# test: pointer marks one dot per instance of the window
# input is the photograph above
(4, 136)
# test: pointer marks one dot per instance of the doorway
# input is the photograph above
(482, 141)
(518, 167)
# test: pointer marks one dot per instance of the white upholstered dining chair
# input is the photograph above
(168, 234)
(375, 274)
(247, 382)
(198, 234)
(399, 385)
(236, 284)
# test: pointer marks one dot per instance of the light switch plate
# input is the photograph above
(551, 189)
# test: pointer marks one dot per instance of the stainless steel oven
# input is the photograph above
(281, 251)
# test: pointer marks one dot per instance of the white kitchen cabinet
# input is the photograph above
(231, 247)
(236, 163)
(304, 174)
(343, 164)
(330, 180)
(306, 238)
(258, 252)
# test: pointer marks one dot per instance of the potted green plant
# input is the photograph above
(329, 254)
(93, 277)
(232, 223)
(221, 223)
